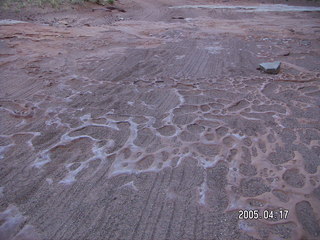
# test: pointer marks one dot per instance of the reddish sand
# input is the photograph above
(154, 123)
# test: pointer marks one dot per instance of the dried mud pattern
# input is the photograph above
(260, 155)
(159, 143)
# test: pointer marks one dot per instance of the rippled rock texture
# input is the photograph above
(160, 128)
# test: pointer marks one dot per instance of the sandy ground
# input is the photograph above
(136, 125)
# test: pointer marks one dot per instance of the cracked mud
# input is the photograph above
(160, 128)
